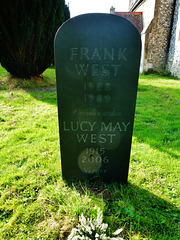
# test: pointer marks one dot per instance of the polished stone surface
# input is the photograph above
(97, 65)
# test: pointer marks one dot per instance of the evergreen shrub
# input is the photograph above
(27, 30)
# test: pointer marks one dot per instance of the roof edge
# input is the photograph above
(136, 5)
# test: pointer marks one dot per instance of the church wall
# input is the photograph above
(174, 50)
(157, 36)
(156, 32)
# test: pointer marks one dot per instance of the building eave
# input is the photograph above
(136, 5)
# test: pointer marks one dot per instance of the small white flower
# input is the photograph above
(88, 229)
(76, 237)
(73, 232)
(92, 226)
(97, 235)
(89, 226)
(115, 238)
(82, 220)
(118, 231)
(103, 237)
(104, 227)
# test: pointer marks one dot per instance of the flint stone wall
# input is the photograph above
(156, 34)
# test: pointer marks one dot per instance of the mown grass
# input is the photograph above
(35, 203)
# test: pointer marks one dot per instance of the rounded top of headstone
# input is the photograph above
(99, 24)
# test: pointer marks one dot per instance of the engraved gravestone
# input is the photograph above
(97, 65)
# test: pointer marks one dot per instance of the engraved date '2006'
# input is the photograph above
(91, 159)
(94, 155)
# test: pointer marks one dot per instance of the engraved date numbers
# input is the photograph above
(97, 92)
(91, 160)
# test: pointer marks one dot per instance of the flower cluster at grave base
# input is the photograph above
(89, 229)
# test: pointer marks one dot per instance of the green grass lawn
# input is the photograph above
(35, 203)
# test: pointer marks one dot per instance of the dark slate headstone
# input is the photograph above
(97, 66)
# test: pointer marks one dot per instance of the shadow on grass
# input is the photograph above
(134, 209)
(44, 95)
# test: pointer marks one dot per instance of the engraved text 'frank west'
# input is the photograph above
(116, 56)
